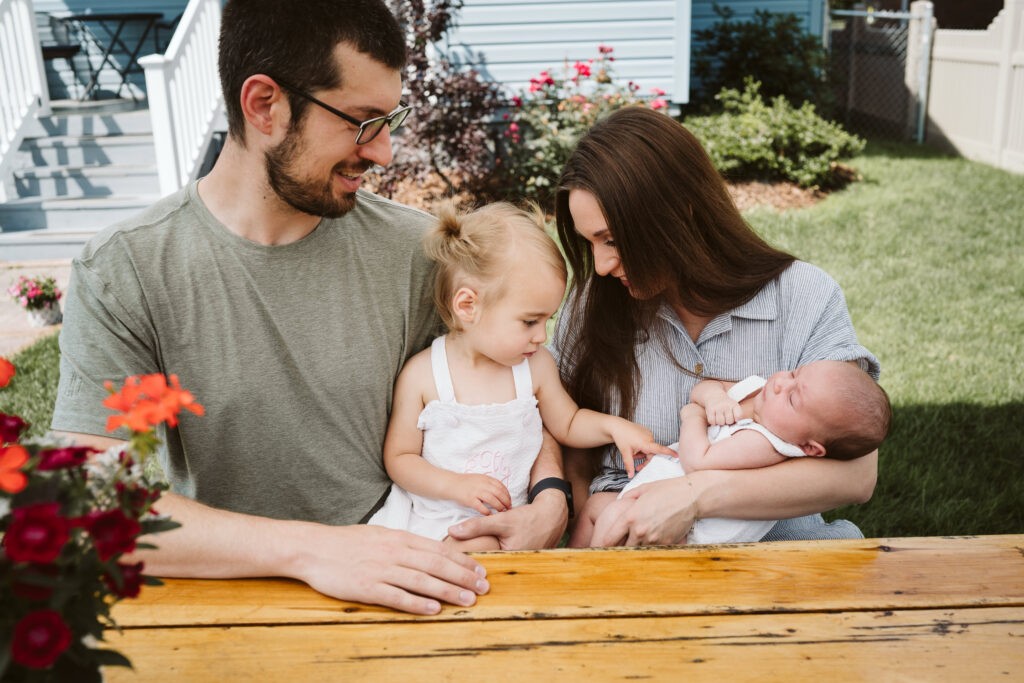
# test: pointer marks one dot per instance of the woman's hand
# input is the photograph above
(483, 493)
(661, 514)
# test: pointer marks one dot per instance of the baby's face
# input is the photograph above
(797, 405)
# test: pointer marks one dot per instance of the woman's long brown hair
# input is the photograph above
(678, 234)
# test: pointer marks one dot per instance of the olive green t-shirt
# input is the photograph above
(293, 350)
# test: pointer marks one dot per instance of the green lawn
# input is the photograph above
(927, 248)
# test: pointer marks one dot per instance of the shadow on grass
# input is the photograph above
(948, 469)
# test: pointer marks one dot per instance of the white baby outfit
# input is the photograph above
(498, 439)
(715, 529)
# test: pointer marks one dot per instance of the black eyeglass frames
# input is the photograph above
(368, 129)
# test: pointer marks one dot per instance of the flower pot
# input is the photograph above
(49, 314)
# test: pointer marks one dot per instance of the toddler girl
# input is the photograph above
(467, 415)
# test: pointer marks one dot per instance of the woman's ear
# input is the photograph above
(465, 304)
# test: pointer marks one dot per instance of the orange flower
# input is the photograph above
(12, 479)
(6, 371)
(147, 401)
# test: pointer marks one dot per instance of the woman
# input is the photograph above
(683, 289)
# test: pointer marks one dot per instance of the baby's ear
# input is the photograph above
(813, 448)
(464, 303)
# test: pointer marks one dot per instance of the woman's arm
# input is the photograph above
(665, 510)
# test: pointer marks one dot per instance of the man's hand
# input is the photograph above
(483, 493)
(537, 525)
(381, 566)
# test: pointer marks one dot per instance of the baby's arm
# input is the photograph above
(403, 448)
(713, 396)
(744, 450)
(581, 428)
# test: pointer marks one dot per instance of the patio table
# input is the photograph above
(113, 25)
(875, 609)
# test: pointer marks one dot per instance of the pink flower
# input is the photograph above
(657, 92)
(513, 126)
(39, 638)
(658, 104)
(605, 49)
(582, 70)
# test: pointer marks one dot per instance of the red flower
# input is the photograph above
(39, 638)
(605, 49)
(37, 533)
(6, 371)
(12, 479)
(131, 580)
(11, 427)
(136, 499)
(60, 458)
(112, 532)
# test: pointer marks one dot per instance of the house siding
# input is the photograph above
(512, 41)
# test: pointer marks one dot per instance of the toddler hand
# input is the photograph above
(636, 443)
(483, 493)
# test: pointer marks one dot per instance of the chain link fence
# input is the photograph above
(875, 72)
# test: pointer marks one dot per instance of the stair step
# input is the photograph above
(86, 213)
(41, 245)
(86, 181)
(87, 150)
(112, 117)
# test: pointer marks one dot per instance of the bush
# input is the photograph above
(751, 140)
(548, 118)
(772, 48)
(447, 135)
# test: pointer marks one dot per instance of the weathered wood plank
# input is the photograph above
(871, 574)
(980, 644)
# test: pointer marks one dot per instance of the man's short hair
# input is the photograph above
(296, 42)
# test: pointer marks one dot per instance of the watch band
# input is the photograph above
(553, 483)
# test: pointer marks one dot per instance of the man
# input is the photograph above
(286, 300)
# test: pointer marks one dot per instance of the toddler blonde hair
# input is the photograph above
(479, 248)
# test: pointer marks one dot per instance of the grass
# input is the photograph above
(926, 248)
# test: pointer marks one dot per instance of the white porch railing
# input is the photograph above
(184, 94)
(23, 93)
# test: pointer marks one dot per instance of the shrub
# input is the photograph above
(548, 118)
(751, 140)
(772, 48)
(447, 135)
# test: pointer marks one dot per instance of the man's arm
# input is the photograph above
(360, 563)
(540, 524)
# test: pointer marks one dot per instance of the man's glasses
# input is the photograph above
(368, 129)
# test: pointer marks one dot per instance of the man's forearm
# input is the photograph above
(216, 544)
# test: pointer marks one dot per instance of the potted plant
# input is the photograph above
(40, 298)
(68, 515)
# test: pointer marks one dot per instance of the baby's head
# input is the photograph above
(489, 252)
(829, 408)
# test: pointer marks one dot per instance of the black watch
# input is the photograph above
(553, 483)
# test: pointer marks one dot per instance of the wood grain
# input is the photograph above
(975, 644)
(871, 574)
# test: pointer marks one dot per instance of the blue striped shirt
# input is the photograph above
(799, 317)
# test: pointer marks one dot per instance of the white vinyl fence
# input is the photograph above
(976, 99)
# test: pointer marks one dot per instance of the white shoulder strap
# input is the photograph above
(746, 387)
(523, 379)
(442, 376)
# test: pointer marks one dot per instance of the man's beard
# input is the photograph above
(305, 195)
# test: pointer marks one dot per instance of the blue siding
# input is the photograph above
(512, 41)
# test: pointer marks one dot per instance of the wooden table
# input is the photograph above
(875, 609)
